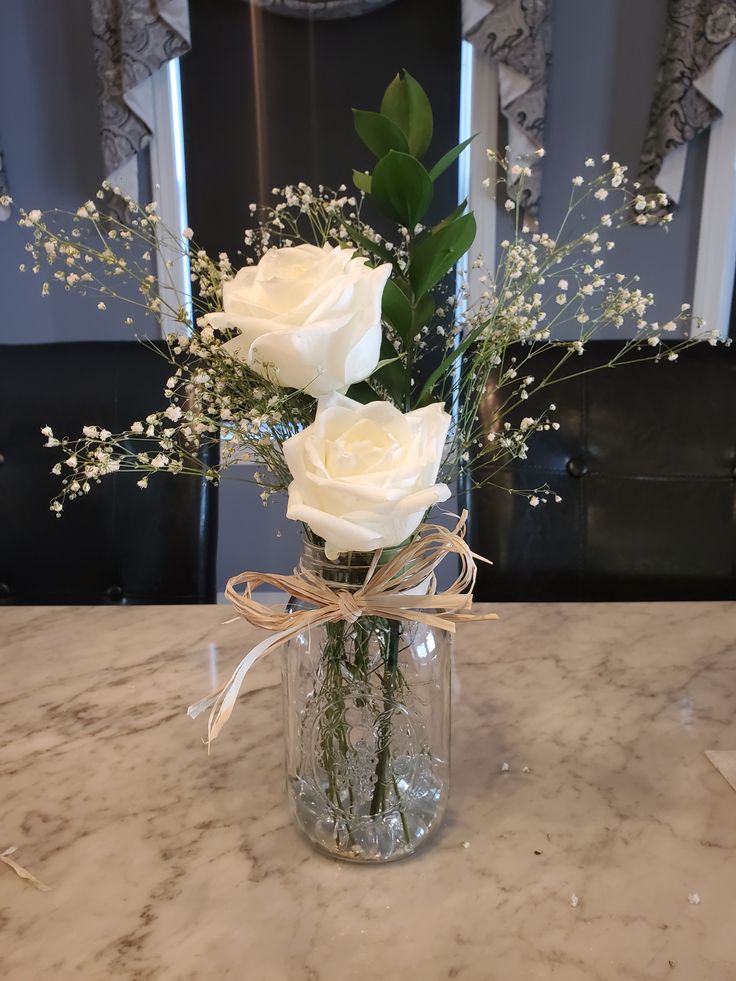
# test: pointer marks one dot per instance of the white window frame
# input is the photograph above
(716, 260)
(479, 116)
(168, 177)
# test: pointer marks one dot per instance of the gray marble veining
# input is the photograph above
(167, 864)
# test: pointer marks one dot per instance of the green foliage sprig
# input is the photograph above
(402, 188)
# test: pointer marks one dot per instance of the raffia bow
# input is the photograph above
(405, 588)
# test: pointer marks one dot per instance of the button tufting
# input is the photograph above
(2, 459)
(4, 589)
(115, 593)
(577, 467)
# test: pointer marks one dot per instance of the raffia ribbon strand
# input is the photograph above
(387, 592)
(20, 871)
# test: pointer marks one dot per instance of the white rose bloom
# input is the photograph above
(309, 318)
(364, 475)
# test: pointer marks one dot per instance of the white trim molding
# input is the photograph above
(168, 177)
(716, 261)
(479, 116)
(158, 99)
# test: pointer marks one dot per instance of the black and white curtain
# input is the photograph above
(690, 91)
(517, 36)
(133, 39)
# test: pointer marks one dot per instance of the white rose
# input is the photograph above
(309, 318)
(364, 475)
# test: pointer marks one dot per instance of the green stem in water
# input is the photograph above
(390, 679)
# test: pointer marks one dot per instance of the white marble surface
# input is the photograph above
(165, 864)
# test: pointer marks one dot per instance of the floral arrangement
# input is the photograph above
(351, 367)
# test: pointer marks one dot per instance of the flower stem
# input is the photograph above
(390, 672)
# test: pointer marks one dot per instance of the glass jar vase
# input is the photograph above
(367, 726)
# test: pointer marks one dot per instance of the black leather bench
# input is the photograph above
(645, 463)
(119, 544)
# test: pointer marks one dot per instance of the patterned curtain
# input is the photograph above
(132, 40)
(321, 9)
(517, 35)
(689, 92)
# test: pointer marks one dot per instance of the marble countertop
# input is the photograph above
(166, 864)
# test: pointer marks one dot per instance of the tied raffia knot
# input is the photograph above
(404, 588)
(349, 609)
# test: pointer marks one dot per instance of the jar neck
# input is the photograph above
(349, 570)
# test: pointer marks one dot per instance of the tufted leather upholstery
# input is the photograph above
(120, 544)
(645, 462)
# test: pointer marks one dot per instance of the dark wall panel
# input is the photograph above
(267, 100)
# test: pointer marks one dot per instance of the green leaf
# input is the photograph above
(387, 361)
(368, 245)
(397, 309)
(379, 133)
(392, 376)
(423, 312)
(362, 181)
(362, 392)
(449, 159)
(434, 256)
(401, 188)
(406, 103)
(455, 213)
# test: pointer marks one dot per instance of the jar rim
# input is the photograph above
(349, 569)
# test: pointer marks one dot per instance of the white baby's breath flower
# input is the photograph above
(159, 461)
(143, 483)
(174, 413)
(577, 181)
(136, 427)
(510, 205)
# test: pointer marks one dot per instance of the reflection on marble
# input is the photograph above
(167, 864)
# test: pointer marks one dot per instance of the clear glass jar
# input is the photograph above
(367, 726)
